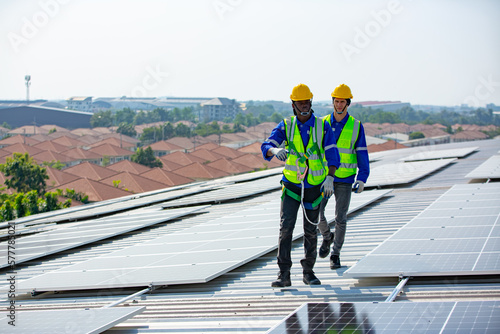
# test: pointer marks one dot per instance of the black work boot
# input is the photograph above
(283, 280)
(310, 278)
(334, 262)
(324, 250)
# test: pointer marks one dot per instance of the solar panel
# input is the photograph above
(458, 234)
(50, 242)
(194, 255)
(429, 153)
(68, 321)
(229, 192)
(405, 317)
(403, 172)
(490, 169)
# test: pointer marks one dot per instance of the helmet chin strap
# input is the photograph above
(302, 113)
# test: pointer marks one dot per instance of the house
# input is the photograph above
(80, 103)
(219, 108)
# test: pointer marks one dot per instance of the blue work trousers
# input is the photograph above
(342, 192)
(288, 217)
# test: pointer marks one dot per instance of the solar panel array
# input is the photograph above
(194, 255)
(431, 154)
(490, 169)
(51, 242)
(408, 317)
(459, 234)
(229, 192)
(90, 321)
(403, 172)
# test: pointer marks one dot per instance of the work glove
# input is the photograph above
(358, 187)
(327, 186)
(280, 153)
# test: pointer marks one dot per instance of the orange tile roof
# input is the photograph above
(111, 150)
(95, 190)
(49, 156)
(120, 137)
(57, 177)
(163, 145)
(207, 146)
(50, 145)
(169, 165)
(18, 139)
(206, 154)
(116, 142)
(29, 130)
(257, 161)
(133, 182)
(69, 141)
(199, 171)
(22, 148)
(388, 145)
(228, 152)
(91, 171)
(230, 167)
(181, 158)
(81, 154)
(166, 177)
(85, 132)
(50, 127)
(252, 148)
(129, 166)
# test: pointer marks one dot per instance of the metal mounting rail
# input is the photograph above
(397, 289)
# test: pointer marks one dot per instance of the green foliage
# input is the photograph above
(416, 135)
(106, 160)
(52, 130)
(126, 129)
(146, 157)
(24, 173)
(7, 211)
(6, 125)
(102, 119)
(54, 164)
(126, 115)
(71, 194)
(116, 183)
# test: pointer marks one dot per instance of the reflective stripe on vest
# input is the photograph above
(312, 157)
(345, 145)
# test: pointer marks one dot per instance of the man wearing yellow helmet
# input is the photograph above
(351, 144)
(308, 142)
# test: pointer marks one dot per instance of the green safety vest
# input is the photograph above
(345, 145)
(312, 157)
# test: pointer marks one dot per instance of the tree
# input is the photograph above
(126, 115)
(54, 164)
(126, 129)
(101, 119)
(146, 157)
(24, 173)
(416, 135)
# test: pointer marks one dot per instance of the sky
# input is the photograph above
(436, 52)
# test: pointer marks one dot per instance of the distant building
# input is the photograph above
(37, 116)
(219, 108)
(384, 105)
(80, 103)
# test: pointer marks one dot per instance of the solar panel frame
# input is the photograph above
(490, 169)
(91, 321)
(441, 241)
(194, 255)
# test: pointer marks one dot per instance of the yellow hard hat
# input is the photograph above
(342, 92)
(301, 93)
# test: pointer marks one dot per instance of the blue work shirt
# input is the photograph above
(360, 148)
(278, 136)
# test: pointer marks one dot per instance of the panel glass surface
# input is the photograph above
(429, 154)
(490, 169)
(51, 242)
(91, 321)
(403, 172)
(407, 317)
(450, 241)
(193, 255)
